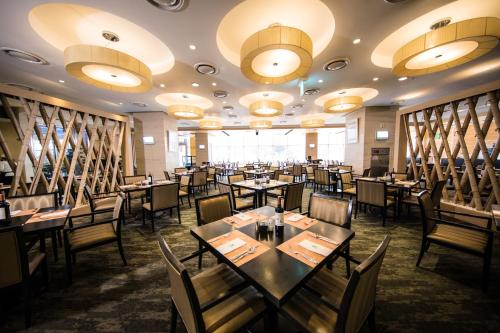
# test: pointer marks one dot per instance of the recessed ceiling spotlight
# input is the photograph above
(206, 68)
(121, 103)
(110, 36)
(224, 102)
(289, 114)
(139, 104)
(342, 92)
(336, 64)
(375, 79)
(320, 81)
(195, 84)
(60, 81)
(228, 108)
(297, 106)
(185, 96)
(220, 94)
(232, 115)
(24, 56)
(265, 94)
(356, 41)
(170, 5)
(403, 78)
(441, 23)
(192, 47)
(303, 99)
(214, 84)
(162, 85)
(312, 91)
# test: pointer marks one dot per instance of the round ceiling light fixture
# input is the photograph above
(170, 5)
(186, 112)
(211, 124)
(336, 64)
(107, 68)
(266, 108)
(447, 46)
(312, 123)
(206, 69)
(276, 55)
(343, 104)
(24, 56)
(260, 124)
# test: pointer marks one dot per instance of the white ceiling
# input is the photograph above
(370, 20)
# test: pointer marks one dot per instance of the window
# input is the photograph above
(331, 144)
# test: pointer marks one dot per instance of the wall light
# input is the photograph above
(201, 146)
(312, 145)
(148, 140)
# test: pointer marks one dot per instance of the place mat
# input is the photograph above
(243, 219)
(303, 223)
(409, 183)
(237, 243)
(309, 248)
(56, 214)
(17, 213)
(125, 187)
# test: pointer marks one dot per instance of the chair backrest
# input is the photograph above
(133, 179)
(345, 180)
(345, 167)
(331, 210)
(371, 192)
(322, 177)
(437, 193)
(164, 196)
(293, 196)
(167, 176)
(178, 170)
(14, 260)
(213, 208)
(358, 299)
(277, 173)
(400, 175)
(211, 171)
(235, 178)
(199, 178)
(310, 171)
(182, 291)
(185, 181)
(118, 212)
(26, 202)
(286, 178)
(297, 170)
(426, 211)
(366, 172)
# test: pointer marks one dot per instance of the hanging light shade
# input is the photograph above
(107, 68)
(186, 112)
(312, 123)
(258, 124)
(447, 47)
(266, 108)
(210, 124)
(343, 104)
(276, 54)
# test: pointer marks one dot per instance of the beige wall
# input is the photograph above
(312, 138)
(354, 151)
(140, 158)
(201, 154)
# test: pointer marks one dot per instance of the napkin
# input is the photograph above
(231, 245)
(243, 217)
(316, 248)
(295, 217)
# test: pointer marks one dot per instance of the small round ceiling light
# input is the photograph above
(276, 55)
(228, 108)
(211, 124)
(185, 112)
(356, 41)
(447, 46)
(312, 123)
(312, 91)
(206, 68)
(336, 64)
(343, 104)
(24, 56)
(169, 5)
(260, 124)
(107, 68)
(195, 84)
(220, 94)
(266, 108)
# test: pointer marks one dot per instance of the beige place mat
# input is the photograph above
(56, 214)
(304, 223)
(249, 242)
(239, 223)
(291, 245)
(17, 213)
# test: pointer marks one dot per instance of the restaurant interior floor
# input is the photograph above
(443, 295)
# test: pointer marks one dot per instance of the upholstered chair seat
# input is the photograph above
(350, 191)
(243, 203)
(106, 203)
(163, 197)
(238, 203)
(89, 236)
(469, 239)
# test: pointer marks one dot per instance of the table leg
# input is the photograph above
(259, 198)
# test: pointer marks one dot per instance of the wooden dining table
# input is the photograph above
(274, 270)
(260, 188)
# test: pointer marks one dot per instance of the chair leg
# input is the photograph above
(347, 262)
(173, 317)
(68, 260)
(143, 216)
(422, 250)
(179, 214)
(54, 244)
(371, 321)
(27, 305)
(486, 270)
(122, 254)
(200, 257)
(189, 201)
(153, 221)
(384, 216)
(356, 210)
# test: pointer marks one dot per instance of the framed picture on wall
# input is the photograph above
(352, 131)
(173, 141)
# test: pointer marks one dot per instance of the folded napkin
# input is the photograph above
(316, 248)
(243, 217)
(231, 245)
(295, 217)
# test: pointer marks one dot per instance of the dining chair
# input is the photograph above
(475, 238)
(215, 300)
(238, 203)
(128, 180)
(374, 193)
(167, 175)
(332, 303)
(17, 268)
(297, 172)
(212, 176)
(436, 195)
(310, 175)
(95, 202)
(210, 209)
(241, 192)
(322, 179)
(335, 211)
(345, 167)
(85, 236)
(185, 189)
(366, 172)
(200, 181)
(277, 173)
(346, 186)
(293, 197)
(163, 197)
(282, 190)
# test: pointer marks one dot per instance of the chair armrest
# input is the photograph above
(96, 212)
(463, 214)
(87, 225)
(105, 195)
(225, 295)
(464, 225)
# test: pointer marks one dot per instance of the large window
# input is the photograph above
(245, 146)
(331, 144)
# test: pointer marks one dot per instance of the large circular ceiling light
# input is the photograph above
(345, 100)
(186, 112)
(312, 123)
(210, 124)
(447, 47)
(107, 68)
(266, 108)
(343, 104)
(276, 54)
(260, 124)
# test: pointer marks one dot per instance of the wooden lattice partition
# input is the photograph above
(67, 145)
(458, 141)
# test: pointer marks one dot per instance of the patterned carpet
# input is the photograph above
(443, 295)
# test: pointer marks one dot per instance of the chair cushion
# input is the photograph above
(410, 200)
(465, 238)
(34, 261)
(91, 235)
(210, 179)
(351, 190)
(275, 193)
(246, 193)
(243, 203)
(235, 312)
(329, 285)
(137, 194)
(307, 310)
(214, 282)
(103, 204)
(80, 210)
(183, 194)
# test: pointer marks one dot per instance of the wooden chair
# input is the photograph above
(200, 181)
(331, 303)
(436, 195)
(474, 238)
(374, 193)
(167, 176)
(212, 177)
(241, 192)
(277, 173)
(238, 203)
(345, 167)
(185, 189)
(210, 209)
(310, 175)
(366, 173)
(297, 172)
(293, 197)
(163, 197)
(346, 186)
(94, 234)
(322, 179)
(280, 191)
(95, 202)
(128, 180)
(334, 211)
(215, 300)
(17, 268)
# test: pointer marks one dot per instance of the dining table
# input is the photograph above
(260, 187)
(140, 186)
(277, 263)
